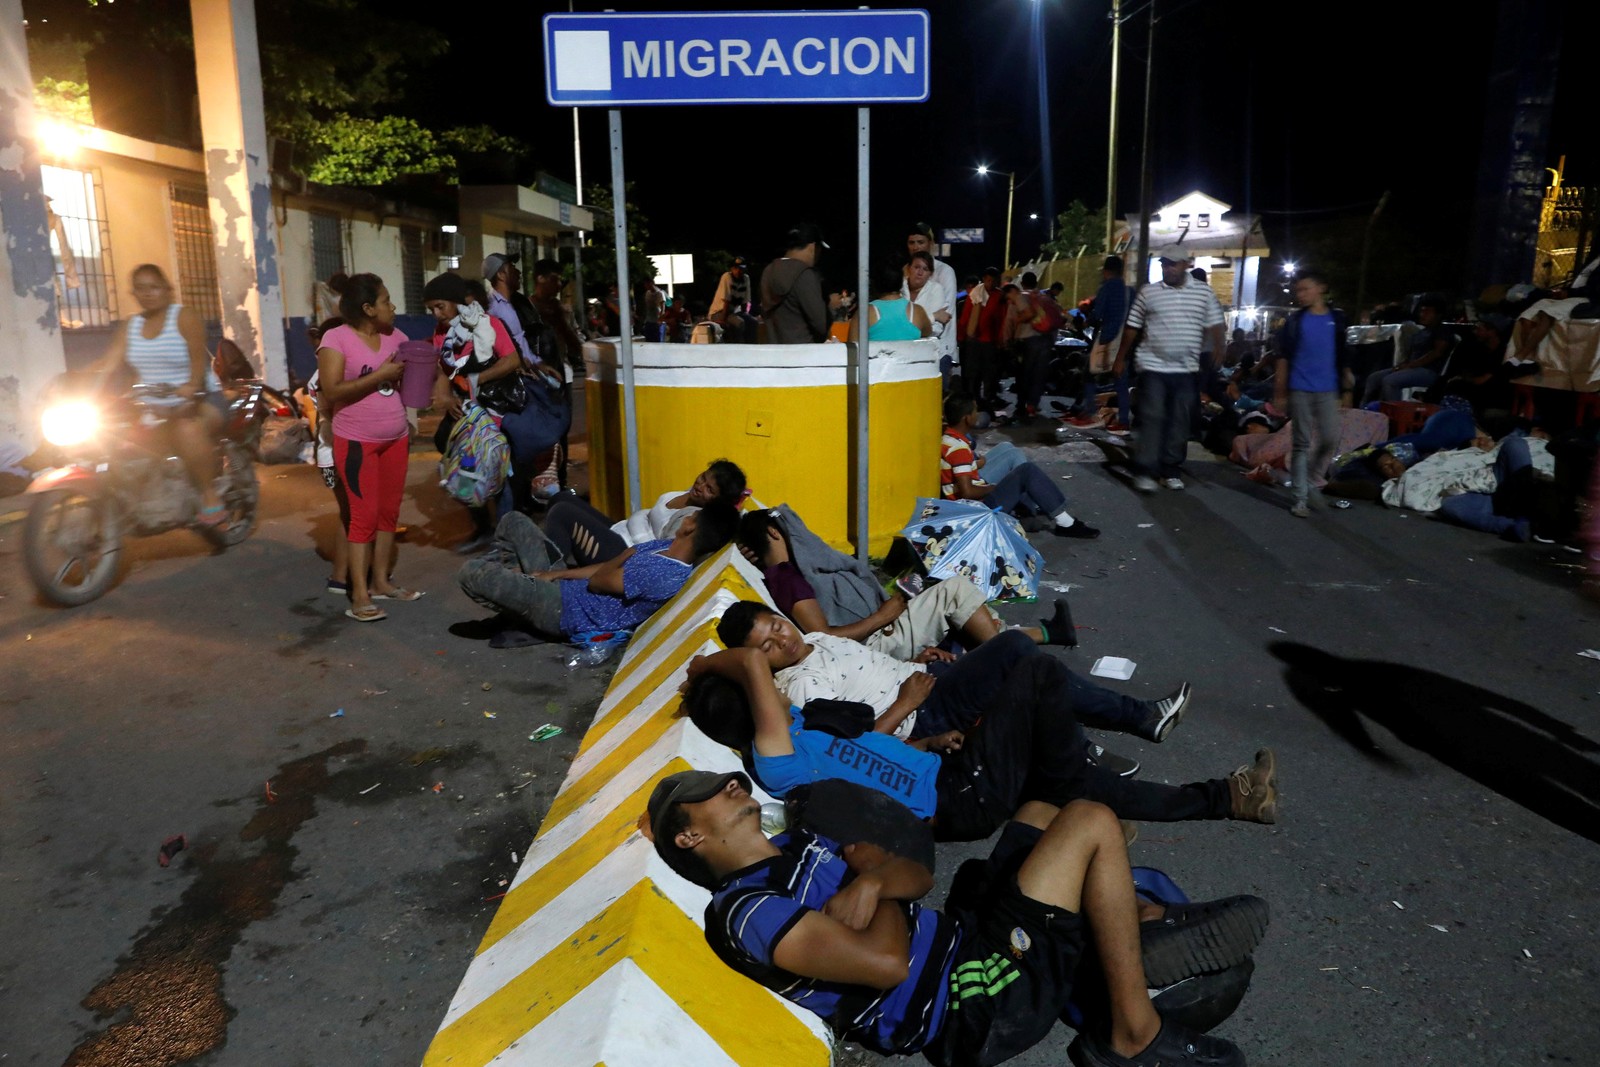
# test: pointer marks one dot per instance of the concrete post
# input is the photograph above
(30, 326)
(227, 65)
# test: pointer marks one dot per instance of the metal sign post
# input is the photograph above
(619, 223)
(863, 346)
(611, 59)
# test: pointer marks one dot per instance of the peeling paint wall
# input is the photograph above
(30, 334)
(238, 180)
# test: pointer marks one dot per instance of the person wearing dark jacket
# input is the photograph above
(1314, 368)
(792, 304)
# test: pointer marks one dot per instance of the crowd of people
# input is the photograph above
(890, 716)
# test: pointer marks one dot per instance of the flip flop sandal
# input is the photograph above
(366, 614)
(341, 588)
(211, 515)
(404, 595)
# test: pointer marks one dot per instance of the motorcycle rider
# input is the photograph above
(165, 345)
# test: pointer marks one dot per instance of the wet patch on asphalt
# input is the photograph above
(165, 1001)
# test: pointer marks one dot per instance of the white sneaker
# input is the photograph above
(1172, 483)
(1144, 483)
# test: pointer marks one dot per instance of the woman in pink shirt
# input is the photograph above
(358, 373)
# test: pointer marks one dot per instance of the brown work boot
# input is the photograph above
(1253, 791)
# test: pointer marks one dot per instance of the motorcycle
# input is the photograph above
(120, 480)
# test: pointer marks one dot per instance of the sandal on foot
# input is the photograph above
(211, 515)
(336, 586)
(405, 595)
(369, 613)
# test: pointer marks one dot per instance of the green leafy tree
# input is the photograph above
(1077, 227)
(600, 251)
(357, 151)
(334, 77)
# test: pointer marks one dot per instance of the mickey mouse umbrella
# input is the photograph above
(964, 539)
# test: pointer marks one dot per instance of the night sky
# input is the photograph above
(1303, 113)
(1270, 108)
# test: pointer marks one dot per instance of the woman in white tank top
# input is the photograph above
(165, 345)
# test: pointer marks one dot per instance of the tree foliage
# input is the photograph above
(1076, 228)
(335, 77)
(347, 150)
(600, 247)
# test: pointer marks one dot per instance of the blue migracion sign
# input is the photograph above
(614, 59)
(966, 235)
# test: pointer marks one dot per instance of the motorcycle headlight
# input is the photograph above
(70, 423)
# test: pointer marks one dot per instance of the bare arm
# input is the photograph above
(919, 319)
(820, 946)
(968, 489)
(913, 692)
(768, 708)
(193, 332)
(607, 577)
(116, 353)
(808, 615)
(336, 390)
(1130, 340)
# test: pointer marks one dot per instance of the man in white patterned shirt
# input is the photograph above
(1168, 324)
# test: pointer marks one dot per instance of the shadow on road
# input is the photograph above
(1513, 748)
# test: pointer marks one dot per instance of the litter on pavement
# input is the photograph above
(178, 842)
(1113, 667)
(1591, 653)
(545, 732)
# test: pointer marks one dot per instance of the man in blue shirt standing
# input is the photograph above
(1313, 369)
(1109, 309)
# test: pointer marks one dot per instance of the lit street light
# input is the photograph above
(1290, 267)
(985, 170)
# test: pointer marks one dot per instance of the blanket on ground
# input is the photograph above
(1459, 470)
(1356, 429)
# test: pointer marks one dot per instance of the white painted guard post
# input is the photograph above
(30, 324)
(233, 125)
(597, 953)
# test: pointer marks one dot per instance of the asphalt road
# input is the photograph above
(1433, 878)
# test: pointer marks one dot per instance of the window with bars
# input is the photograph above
(411, 267)
(327, 245)
(80, 243)
(526, 247)
(196, 251)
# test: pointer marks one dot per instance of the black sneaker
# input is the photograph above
(1121, 766)
(1079, 529)
(1168, 712)
(1173, 1047)
(1199, 938)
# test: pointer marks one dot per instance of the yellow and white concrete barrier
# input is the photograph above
(784, 413)
(596, 954)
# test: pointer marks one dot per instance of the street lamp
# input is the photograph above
(1011, 194)
(1290, 267)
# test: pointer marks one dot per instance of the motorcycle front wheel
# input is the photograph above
(72, 545)
(240, 496)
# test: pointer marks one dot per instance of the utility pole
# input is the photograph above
(1111, 143)
(1146, 181)
(1011, 196)
(1366, 250)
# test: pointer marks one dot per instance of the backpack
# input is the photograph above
(1048, 316)
(476, 457)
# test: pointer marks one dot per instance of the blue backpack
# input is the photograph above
(476, 457)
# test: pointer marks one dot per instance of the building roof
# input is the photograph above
(1200, 224)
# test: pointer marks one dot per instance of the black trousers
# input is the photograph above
(1028, 747)
(567, 517)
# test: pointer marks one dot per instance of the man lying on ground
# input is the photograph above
(519, 576)
(837, 930)
(902, 627)
(967, 782)
(953, 692)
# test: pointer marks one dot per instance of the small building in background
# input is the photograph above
(1229, 245)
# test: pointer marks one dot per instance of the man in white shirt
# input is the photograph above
(921, 240)
(1168, 324)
